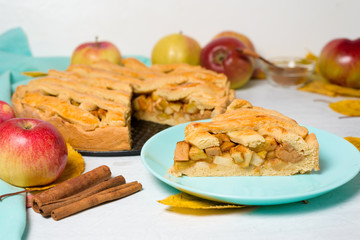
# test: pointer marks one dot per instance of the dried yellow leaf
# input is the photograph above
(349, 107)
(354, 141)
(313, 57)
(317, 87)
(74, 167)
(342, 91)
(34, 74)
(323, 87)
(184, 200)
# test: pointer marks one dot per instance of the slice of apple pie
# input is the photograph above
(246, 141)
(89, 118)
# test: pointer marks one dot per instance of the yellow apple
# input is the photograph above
(176, 48)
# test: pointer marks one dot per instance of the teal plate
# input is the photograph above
(339, 163)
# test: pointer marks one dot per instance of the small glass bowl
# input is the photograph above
(293, 72)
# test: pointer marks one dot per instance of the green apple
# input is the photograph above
(176, 48)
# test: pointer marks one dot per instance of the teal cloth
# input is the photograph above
(16, 58)
(12, 213)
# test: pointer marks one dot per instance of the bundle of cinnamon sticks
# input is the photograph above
(82, 192)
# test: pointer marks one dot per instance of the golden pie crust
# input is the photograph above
(88, 118)
(246, 141)
(167, 94)
(92, 105)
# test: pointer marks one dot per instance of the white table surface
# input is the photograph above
(334, 215)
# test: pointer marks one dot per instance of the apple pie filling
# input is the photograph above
(164, 109)
(228, 152)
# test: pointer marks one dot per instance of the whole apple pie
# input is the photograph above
(246, 141)
(92, 105)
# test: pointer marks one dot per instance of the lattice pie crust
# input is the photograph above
(246, 141)
(92, 105)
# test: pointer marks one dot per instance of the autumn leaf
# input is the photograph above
(354, 141)
(184, 200)
(349, 107)
(322, 86)
(313, 57)
(34, 74)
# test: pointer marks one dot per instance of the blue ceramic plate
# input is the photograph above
(339, 163)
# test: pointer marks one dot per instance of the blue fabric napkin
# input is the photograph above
(14, 54)
(12, 213)
(16, 58)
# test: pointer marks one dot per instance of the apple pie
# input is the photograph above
(93, 119)
(92, 105)
(167, 94)
(246, 141)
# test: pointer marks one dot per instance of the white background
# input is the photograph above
(276, 27)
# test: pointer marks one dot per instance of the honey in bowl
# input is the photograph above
(290, 72)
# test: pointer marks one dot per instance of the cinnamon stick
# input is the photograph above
(96, 199)
(71, 186)
(46, 209)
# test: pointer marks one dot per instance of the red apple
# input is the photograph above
(339, 62)
(32, 152)
(176, 48)
(258, 72)
(221, 55)
(6, 111)
(90, 52)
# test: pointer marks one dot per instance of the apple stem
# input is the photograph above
(96, 41)
(11, 194)
(27, 126)
(220, 57)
